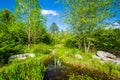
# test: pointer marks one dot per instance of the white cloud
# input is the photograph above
(116, 24)
(49, 12)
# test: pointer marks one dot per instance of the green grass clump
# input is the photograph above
(30, 69)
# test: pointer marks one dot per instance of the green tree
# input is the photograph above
(54, 28)
(86, 16)
(107, 39)
(29, 12)
(10, 42)
(6, 16)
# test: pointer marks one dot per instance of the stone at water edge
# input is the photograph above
(78, 56)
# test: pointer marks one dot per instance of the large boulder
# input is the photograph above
(106, 57)
(21, 56)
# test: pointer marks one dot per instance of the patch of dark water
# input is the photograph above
(56, 70)
(57, 74)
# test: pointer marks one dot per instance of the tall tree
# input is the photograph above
(29, 11)
(85, 16)
(54, 28)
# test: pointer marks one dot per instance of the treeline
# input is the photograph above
(101, 39)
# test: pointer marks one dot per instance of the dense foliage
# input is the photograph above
(9, 43)
(107, 39)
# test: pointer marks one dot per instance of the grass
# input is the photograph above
(88, 66)
(29, 69)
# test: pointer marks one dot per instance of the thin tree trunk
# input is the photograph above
(34, 37)
(79, 45)
(85, 45)
(88, 47)
(29, 37)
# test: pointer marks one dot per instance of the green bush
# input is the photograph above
(70, 43)
(109, 40)
(30, 69)
(38, 49)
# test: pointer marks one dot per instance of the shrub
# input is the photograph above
(38, 49)
(30, 69)
(70, 43)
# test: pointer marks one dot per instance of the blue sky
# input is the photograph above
(54, 12)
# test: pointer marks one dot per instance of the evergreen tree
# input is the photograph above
(54, 28)
(9, 36)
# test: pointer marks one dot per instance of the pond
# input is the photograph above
(56, 70)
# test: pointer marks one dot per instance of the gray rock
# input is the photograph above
(106, 57)
(95, 56)
(78, 56)
(104, 54)
(117, 61)
(21, 56)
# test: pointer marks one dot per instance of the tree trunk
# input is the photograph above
(88, 47)
(79, 45)
(29, 36)
(34, 37)
(85, 46)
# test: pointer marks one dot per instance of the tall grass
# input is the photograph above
(30, 69)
